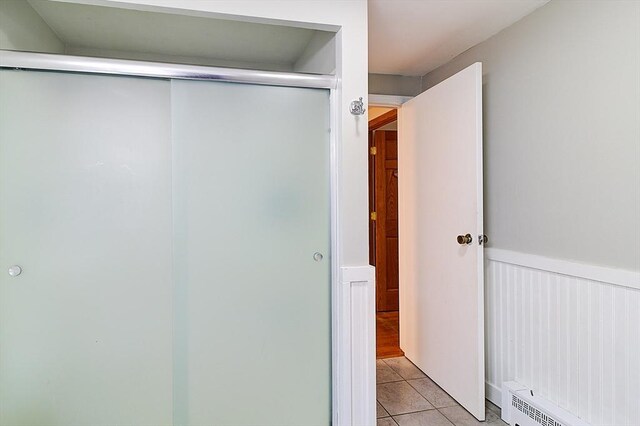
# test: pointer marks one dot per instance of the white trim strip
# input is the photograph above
(493, 393)
(49, 62)
(619, 277)
(340, 371)
(354, 274)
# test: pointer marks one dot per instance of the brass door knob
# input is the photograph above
(465, 239)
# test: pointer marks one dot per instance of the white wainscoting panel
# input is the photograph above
(568, 331)
(357, 331)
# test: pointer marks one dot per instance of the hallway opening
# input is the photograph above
(383, 226)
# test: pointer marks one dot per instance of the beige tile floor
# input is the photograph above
(407, 397)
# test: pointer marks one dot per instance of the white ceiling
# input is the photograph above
(413, 37)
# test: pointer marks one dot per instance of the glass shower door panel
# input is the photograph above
(85, 202)
(251, 209)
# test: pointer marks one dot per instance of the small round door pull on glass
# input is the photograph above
(317, 256)
(15, 270)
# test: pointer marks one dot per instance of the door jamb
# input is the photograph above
(375, 124)
(396, 103)
(384, 119)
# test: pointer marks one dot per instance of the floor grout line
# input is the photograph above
(410, 412)
(438, 409)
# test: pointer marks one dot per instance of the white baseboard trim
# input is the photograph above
(621, 277)
(493, 394)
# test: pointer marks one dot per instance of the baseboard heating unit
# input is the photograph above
(520, 407)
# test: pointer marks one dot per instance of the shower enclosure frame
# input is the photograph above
(341, 346)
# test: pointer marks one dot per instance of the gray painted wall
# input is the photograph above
(21, 28)
(562, 132)
(387, 84)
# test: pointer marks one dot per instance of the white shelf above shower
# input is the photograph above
(165, 35)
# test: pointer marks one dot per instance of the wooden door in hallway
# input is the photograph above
(384, 162)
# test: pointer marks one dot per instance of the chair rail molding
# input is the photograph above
(586, 271)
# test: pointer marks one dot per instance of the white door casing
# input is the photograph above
(440, 197)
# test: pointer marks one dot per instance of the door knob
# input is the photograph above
(15, 270)
(465, 239)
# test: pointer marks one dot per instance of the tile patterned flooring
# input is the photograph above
(407, 397)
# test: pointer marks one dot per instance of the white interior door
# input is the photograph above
(440, 197)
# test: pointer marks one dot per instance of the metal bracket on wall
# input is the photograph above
(357, 107)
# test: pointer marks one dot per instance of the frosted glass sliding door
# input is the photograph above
(251, 266)
(85, 212)
(164, 252)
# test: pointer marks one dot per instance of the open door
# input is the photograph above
(441, 271)
(386, 219)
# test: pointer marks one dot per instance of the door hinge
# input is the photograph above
(374, 215)
(373, 150)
